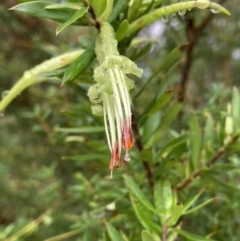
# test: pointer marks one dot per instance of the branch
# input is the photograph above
(140, 148)
(193, 34)
(210, 163)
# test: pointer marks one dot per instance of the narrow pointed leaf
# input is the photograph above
(39, 9)
(122, 30)
(199, 206)
(158, 104)
(142, 52)
(176, 213)
(147, 236)
(191, 236)
(236, 107)
(195, 142)
(145, 217)
(71, 20)
(113, 233)
(36, 75)
(134, 9)
(136, 191)
(209, 137)
(172, 58)
(82, 130)
(191, 201)
(64, 236)
(163, 197)
(65, 5)
(107, 11)
(172, 144)
(79, 65)
(83, 158)
(98, 6)
(117, 9)
(171, 114)
(173, 8)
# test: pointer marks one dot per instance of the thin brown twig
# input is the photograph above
(211, 162)
(140, 148)
(193, 34)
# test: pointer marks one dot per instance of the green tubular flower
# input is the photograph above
(112, 90)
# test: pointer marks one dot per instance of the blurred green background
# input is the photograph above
(41, 169)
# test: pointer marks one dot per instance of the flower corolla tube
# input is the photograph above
(110, 96)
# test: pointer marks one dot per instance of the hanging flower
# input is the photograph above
(110, 94)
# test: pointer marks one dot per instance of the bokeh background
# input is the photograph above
(42, 168)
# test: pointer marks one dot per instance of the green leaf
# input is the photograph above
(145, 154)
(122, 30)
(39, 9)
(83, 158)
(169, 61)
(209, 137)
(191, 236)
(174, 56)
(191, 201)
(170, 115)
(147, 236)
(79, 65)
(143, 51)
(199, 206)
(134, 9)
(98, 6)
(172, 144)
(136, 191)
(163, 198)
(35, 75)
(145, 217)
(113, 233)
(83, 129)
(107, 11)
(158, 104)
(75, 6)
(153, 16)
(194, 142)
(236, 107)
(150, 125)
(176, 213)
(117, 9)
(71, 20)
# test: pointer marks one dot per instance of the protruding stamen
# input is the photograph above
(127, 140)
